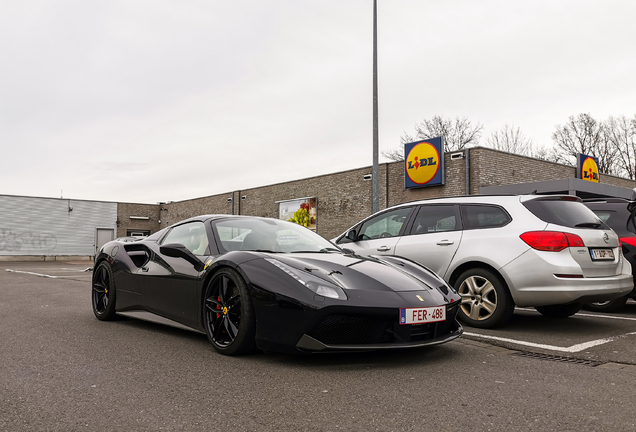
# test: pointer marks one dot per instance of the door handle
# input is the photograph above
(144, 269)
(445, 243)
(383, 249)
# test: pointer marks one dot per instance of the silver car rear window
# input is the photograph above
(571, 214)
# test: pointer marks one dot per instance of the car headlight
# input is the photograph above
(313, 283)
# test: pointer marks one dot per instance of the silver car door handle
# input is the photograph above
(445, 243)
(383, 249)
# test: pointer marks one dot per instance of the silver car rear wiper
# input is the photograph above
(587, 225)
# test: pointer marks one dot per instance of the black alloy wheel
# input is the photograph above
(103, 293)
(228, 313)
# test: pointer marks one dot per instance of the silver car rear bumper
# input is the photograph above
(534, 282)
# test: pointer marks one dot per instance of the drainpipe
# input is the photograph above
(467, 157)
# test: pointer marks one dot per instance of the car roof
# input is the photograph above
(484, 199)
(203, 218)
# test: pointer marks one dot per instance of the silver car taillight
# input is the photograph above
(551, 241)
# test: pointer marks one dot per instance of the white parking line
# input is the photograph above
(34, 274)
(87, 269)
(607, 316)
(572, 349)
(588, 315)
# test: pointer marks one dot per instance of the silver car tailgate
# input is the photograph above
(601, 256)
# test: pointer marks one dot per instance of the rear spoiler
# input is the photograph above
(550, 198)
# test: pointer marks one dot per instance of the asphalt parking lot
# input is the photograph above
(61, 369)
(603, 338)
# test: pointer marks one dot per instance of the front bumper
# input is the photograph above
(303, 328)
(310, 344)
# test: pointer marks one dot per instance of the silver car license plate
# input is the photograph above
(602, 254)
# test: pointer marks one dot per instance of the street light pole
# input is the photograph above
(375, 186)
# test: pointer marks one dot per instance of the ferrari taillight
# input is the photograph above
(551, 241)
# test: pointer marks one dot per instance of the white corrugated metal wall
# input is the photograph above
(45, 226)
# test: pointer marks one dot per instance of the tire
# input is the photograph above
(607, 306)
(559, 311)
(228, 313)
(486, 301)
(103, 293)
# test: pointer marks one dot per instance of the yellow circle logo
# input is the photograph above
(589, 170)
(422, 163)
(225, 311)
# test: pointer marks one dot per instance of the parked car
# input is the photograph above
(248, 281)
(549, 252)
(619, 214)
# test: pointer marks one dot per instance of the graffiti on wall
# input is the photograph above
(11, 241)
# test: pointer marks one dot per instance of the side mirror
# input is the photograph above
(177, 250)
(352, 235)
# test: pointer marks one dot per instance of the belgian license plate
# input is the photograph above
(602, 254)
(422, 315)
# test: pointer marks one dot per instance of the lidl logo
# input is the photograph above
(423, 164)
(588, 168)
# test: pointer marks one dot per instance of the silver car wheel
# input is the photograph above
(479, 298)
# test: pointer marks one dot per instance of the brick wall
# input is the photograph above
(455, 182)
(126, 210)
(495, 168)
(180, 210)
(344, 198)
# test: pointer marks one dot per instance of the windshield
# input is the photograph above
(267, 235)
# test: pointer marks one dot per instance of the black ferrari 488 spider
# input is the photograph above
(256, 282)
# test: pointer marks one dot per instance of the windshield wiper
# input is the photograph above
(587, 225)
(260, 250)
(329, 249)
(323, 250)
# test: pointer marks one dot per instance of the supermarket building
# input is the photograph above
(34, 228)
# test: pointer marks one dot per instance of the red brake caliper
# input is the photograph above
(218, 307)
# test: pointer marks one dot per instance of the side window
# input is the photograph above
(483, 216)
(603, 214)
(435, 218)
(609, 217)
(192, 235)
(385, 225)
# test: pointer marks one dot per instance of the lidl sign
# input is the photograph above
(587, 168)
(424, 163)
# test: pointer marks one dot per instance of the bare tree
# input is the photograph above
(396, 154)
(584, 134)
(511, 140)
(456, 133)
(621, 135)
(549, 154)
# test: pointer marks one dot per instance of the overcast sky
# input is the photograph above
(148, 101)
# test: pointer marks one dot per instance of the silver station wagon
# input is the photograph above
(549, 252)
